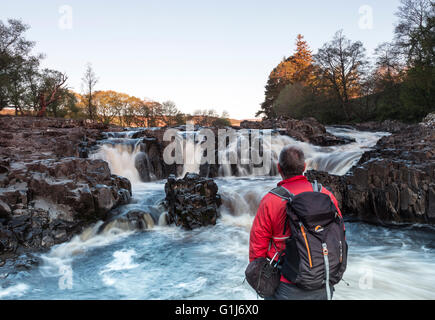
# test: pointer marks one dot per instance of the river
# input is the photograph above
(166, 262)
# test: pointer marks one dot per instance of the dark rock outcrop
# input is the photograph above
(306, 130)
(149, 163)
(392, 126)
(394, 182)
(192, 202)
(135, 219)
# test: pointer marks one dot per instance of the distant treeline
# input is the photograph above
(338, 84)
(30, 90)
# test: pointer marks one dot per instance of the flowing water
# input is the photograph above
(166, 262)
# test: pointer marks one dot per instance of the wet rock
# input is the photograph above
(5, 210)
(392, 126)
(306, 130)
(429, 120)
(26, 262)
(149, 162)
(192, 201)
(134, 219)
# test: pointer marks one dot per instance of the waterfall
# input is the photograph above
(120, 154)
(335, 159)
(125, 157)
(192, 156)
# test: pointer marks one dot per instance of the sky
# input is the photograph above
(200, 54)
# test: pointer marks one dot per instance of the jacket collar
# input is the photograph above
(292, 179)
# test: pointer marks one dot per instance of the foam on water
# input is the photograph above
(14, 291)
(121, 159)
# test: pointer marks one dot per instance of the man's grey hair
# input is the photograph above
(292, 161)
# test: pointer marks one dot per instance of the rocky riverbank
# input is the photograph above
(49, 189)
(394, 182)
(307, 130)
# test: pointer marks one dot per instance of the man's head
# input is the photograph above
(291, 162)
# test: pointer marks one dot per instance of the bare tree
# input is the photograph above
(89, 82)
(414, 33)
(341, 63)
(170, 112)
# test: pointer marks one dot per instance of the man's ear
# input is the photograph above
(305, 166)
(279, 169)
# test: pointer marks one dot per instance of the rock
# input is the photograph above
(149, 162)
(135, 219)
(429, 120)
(392, 126)
(192, 202)
(306, 130)
(5, 210)
(335, 184)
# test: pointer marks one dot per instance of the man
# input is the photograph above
(267, 236)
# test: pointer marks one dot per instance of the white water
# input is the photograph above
(121, 158)
(166, 262)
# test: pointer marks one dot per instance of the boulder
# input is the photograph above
(192, 201)
(5, 210)
(134, 219)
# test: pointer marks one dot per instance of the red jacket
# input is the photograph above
(267, 229)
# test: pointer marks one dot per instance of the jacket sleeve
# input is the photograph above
(261, 233)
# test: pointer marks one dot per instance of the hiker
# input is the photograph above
(271, 232)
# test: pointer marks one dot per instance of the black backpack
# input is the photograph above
(316, 252)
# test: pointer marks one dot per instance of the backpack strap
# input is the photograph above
(284, 194)
(317, 187)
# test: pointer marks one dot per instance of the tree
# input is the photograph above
(89, 82)
(52, 88)
(130, 112)
(170, 114)
(341, 65)
(108, 105)
(414, 34)
(296, 68)
(225, 114)
(17, 65)
(303, 62)
(388, 66)
(415, 39)
(205, 117)
(292, 101)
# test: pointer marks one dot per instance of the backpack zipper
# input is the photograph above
(341, 252)
(306, 243)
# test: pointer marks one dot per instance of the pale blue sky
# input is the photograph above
(200, 54)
